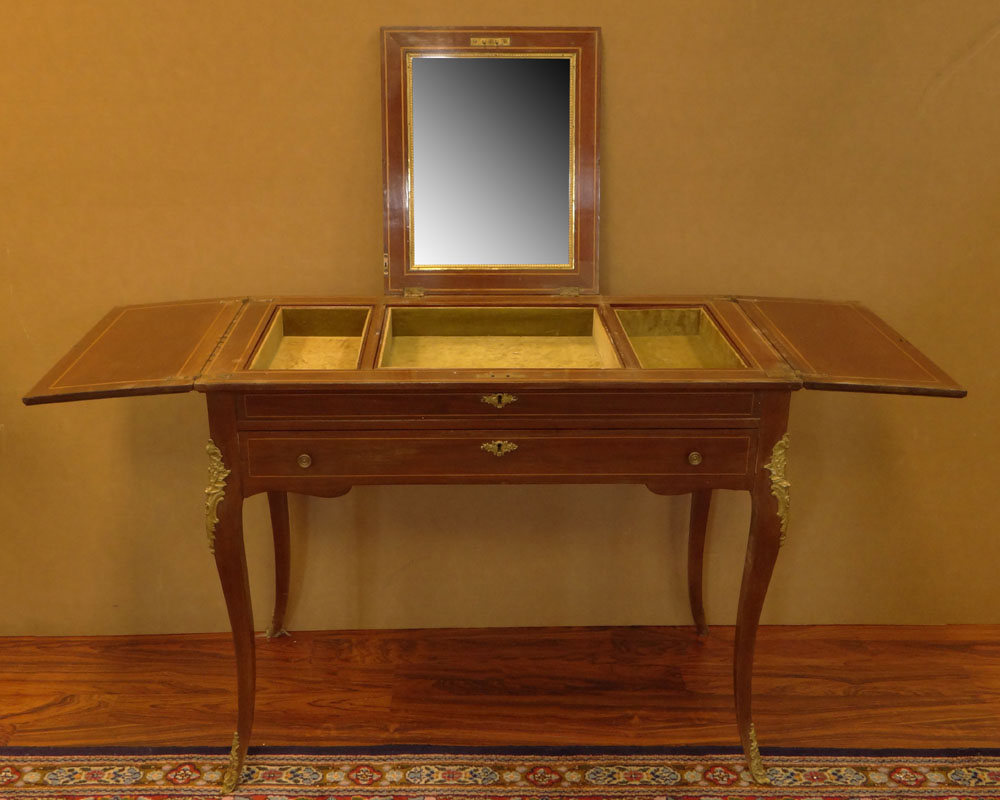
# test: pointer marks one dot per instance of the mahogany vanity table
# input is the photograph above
(497, 366)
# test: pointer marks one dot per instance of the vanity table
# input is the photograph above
(491, 358)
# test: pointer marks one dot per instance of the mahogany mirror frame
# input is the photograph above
(397, 44)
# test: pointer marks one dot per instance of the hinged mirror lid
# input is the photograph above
(490, 159)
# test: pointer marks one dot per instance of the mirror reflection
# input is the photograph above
(491, 161)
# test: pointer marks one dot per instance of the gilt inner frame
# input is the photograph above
(571, 198)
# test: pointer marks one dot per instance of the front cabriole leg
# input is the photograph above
(224, 523)
(769, 519)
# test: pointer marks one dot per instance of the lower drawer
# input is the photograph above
(511, 455)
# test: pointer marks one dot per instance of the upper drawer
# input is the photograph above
(496, 404)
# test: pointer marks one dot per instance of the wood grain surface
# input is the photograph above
(815, 686)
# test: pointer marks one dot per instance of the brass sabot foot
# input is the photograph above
(756, 763)
(232, 776)
(271, 633)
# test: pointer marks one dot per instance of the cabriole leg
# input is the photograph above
(278, 504)
(701, 500)
(231, 562)
(224, 525)
(762, 552)
(769, 517)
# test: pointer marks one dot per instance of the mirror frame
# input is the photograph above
(400, 43)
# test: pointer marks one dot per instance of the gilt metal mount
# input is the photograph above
(215, 492)
(756, 762)
(232, 775)
(489, 41)
(779, 483)
(498, 448)
(500, 399)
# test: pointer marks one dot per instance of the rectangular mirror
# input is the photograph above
(491, 161)
(490, 156)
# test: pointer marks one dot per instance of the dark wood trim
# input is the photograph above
(396, 43)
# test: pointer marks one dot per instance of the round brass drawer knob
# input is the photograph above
(694, 458)
(305, 461)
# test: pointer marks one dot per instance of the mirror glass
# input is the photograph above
(491, 161)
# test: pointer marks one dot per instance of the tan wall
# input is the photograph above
(166, 149)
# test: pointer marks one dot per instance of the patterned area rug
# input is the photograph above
(419, 773)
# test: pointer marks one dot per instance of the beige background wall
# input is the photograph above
(166, 149)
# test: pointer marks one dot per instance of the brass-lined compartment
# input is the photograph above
(678, 338)
(313, 337)
(496, 338)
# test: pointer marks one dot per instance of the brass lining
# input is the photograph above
(756, 762)
(780, 486)
(215, 492)
(678, 338)
(477, 337)
(413, 266)
(312, 337)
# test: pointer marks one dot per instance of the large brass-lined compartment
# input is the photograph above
(496, 338)
(678, 338)
(313, 337)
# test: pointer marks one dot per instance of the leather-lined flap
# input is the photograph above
(844, 346)
(142, 349)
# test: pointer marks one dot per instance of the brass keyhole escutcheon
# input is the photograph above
(499, 399)
(498, 448)
(694, 458)
(305, 461)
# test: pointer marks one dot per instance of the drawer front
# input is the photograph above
(511, 455)
(494, 404)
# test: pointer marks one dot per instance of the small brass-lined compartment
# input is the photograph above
(678, 338)
(313, 337)
(496, 338)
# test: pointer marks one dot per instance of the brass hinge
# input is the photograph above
(223, 338)
(569, 291)
(413, 291)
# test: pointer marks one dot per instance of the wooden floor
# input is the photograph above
(865, 687)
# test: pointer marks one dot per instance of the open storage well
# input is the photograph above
(493, 337)
(496, 338)
(313, 338)
(677, 338)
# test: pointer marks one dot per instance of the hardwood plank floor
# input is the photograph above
(834, 686)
